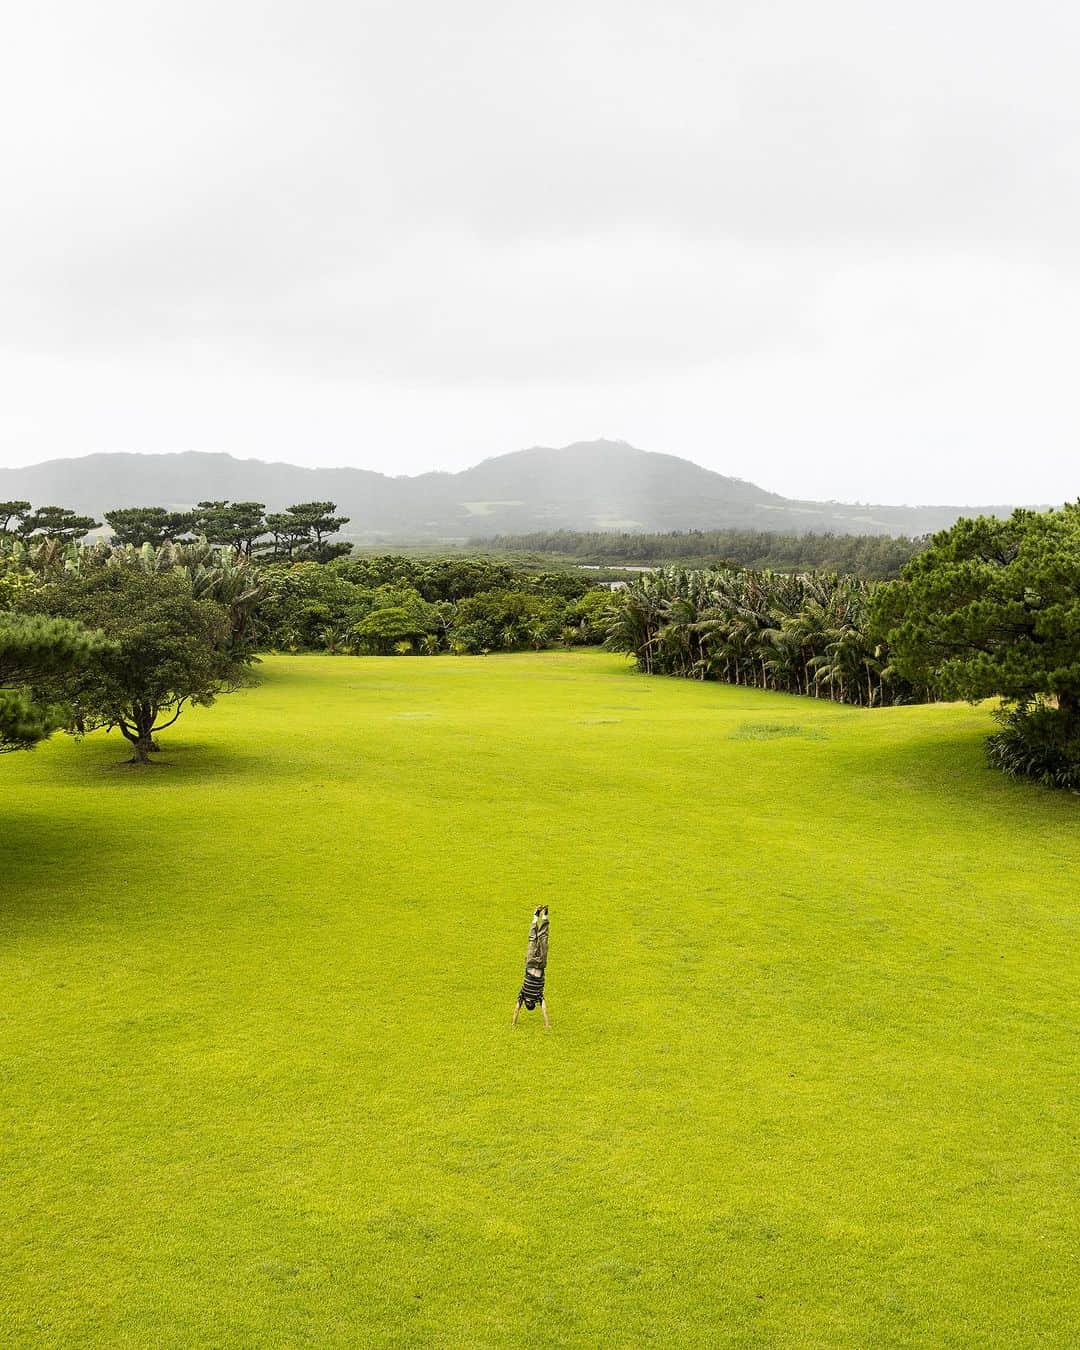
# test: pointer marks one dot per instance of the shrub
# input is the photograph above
(1038, 743)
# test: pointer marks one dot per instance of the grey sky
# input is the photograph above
(832, 248)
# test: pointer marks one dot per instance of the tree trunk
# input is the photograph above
(1069, 708)
(140, 732)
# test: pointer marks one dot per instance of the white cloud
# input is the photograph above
(831, 248)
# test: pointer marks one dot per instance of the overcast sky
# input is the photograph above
(833, 248)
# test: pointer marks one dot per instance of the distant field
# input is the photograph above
(486, 508)
(812, 1076)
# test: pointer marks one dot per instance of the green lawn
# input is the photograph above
(812, 1079)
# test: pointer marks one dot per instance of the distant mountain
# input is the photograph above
(587, 486)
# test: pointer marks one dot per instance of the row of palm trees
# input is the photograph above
(807, 634)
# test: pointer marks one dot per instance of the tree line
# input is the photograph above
(793, 634)
(872, 556)
(303, 530)
(393, 604)
(118, 636)
(126, 637)
(989, 609)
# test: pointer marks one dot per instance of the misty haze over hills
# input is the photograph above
(590, 485)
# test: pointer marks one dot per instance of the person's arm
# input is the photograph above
(517, 1009)
(543, 1009)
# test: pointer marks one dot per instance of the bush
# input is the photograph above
(1037, 743)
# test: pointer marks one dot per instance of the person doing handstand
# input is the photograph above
(532, 987)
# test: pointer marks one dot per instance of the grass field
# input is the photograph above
(812, 1075)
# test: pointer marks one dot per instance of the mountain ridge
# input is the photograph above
(587, 485)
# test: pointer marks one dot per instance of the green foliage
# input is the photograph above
(454, 579)
(138, 525)
(228, 578)
(55, 522)
(235, 525)
(300, 600)
(505, 619)
(462, 605)
(10, 512)
(299, 532)
(587, 616)
(795, 634)
(15, 571)
(34, 646)
(302, 531)
(992, 608)
(1036, 742)
(36, 654)
(25, 721)
(167, 648)
(391, 627)
(872, 556)
(212, 573)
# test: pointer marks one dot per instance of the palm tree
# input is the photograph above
(334, 638)
(797, 634)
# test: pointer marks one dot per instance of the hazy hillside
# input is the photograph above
(586, 486)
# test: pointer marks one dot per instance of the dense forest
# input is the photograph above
(122, 636)
(393, 604)
(809, 635)
(872, 556)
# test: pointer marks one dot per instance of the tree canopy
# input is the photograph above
(54, 522)
(168, 649)
(301, 531)
(993, 608)
(12, 511)
(138, 525)
(239, 525)
(36, 652)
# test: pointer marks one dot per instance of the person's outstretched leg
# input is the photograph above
(538, 939)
